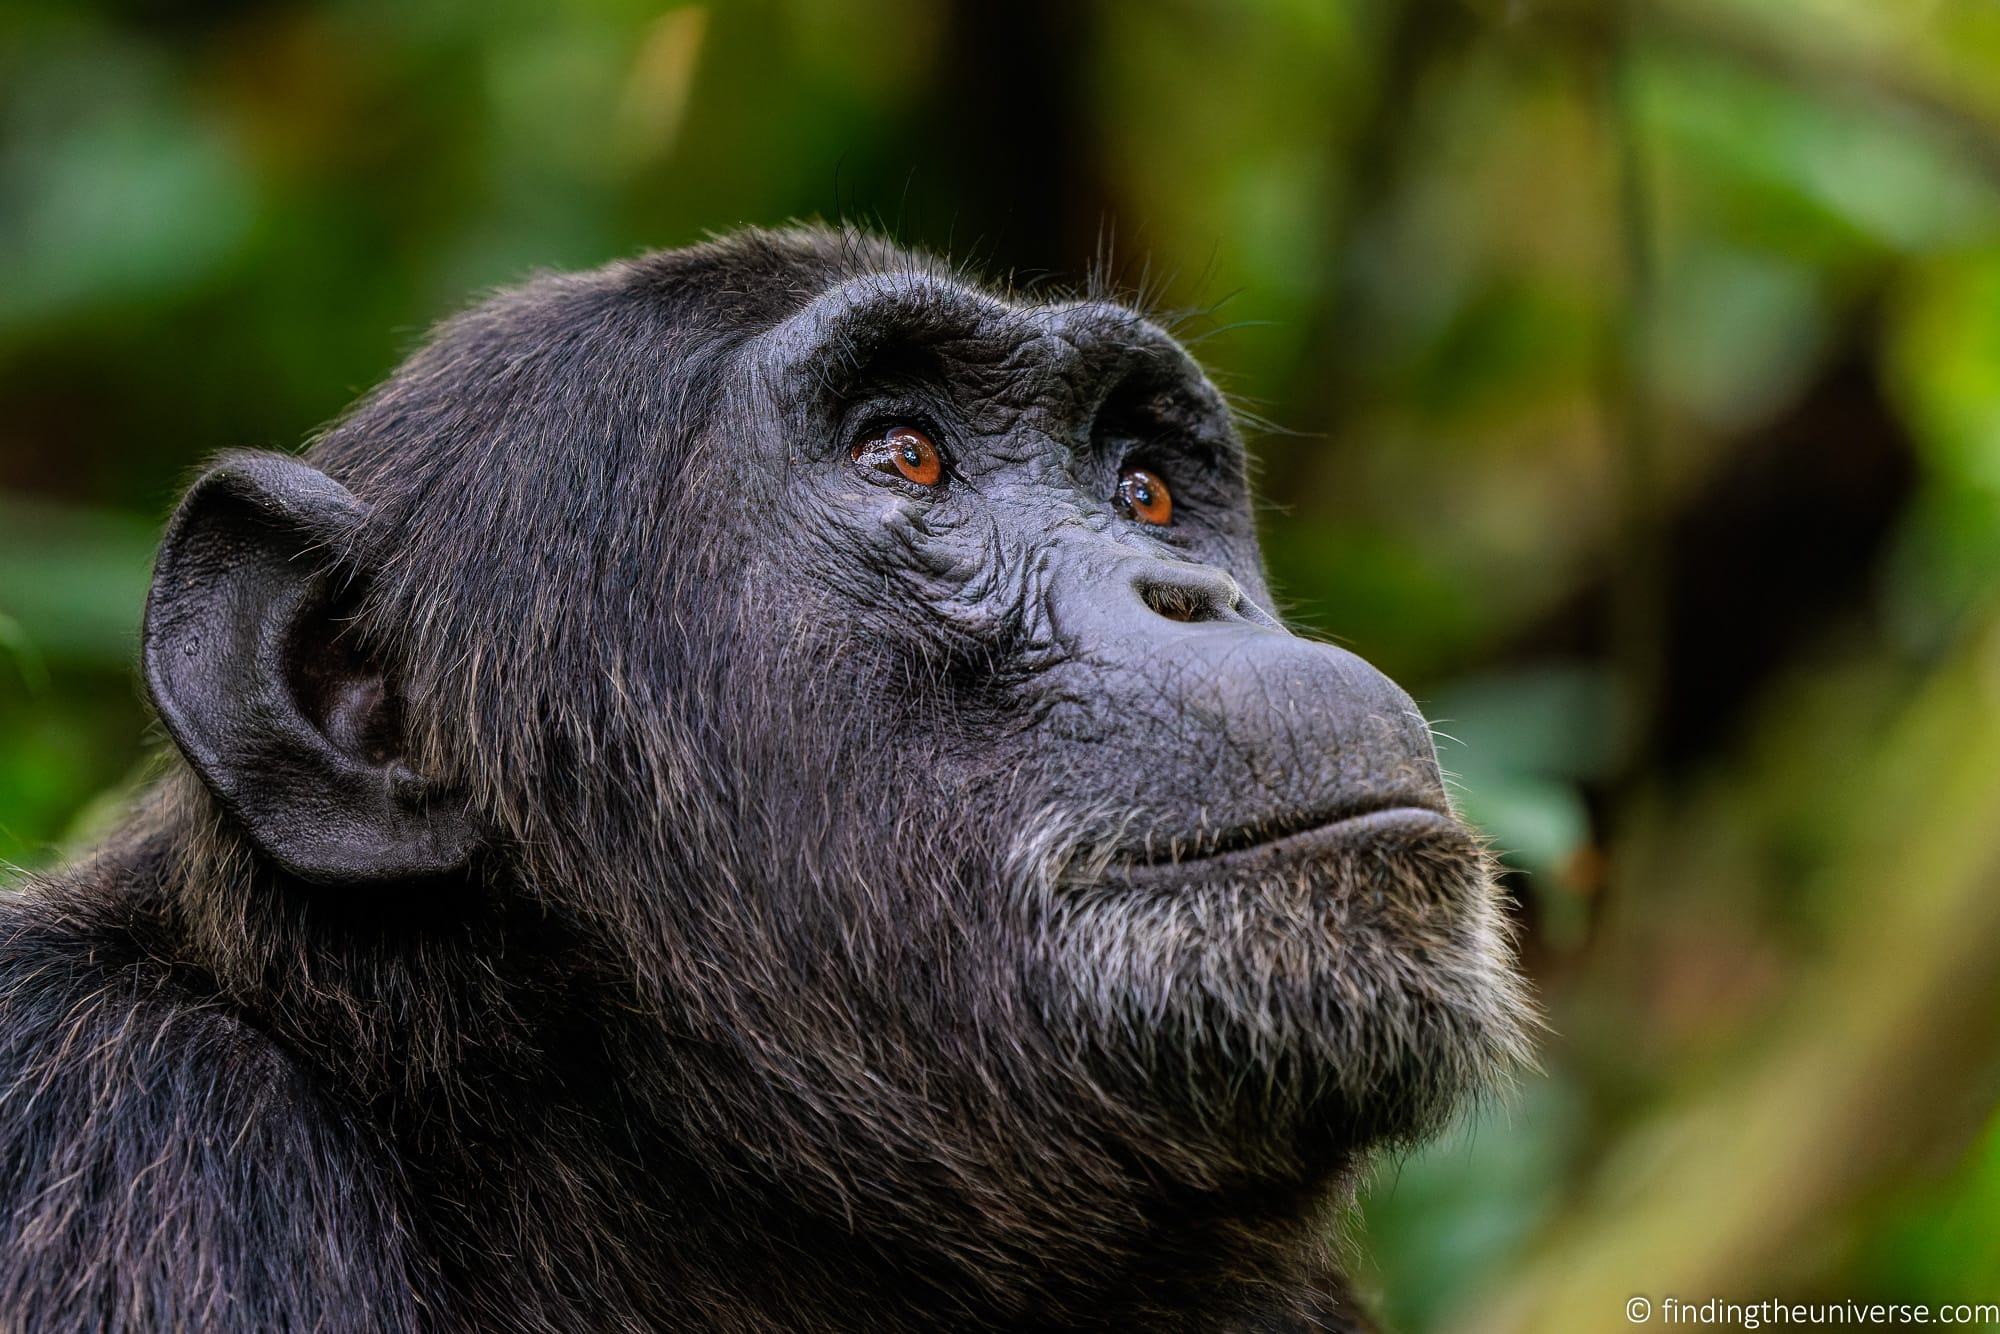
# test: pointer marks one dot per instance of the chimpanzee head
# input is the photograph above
(880, 674)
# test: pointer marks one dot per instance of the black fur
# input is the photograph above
(628, 868)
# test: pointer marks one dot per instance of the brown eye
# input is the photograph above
(1145, 497)
(905, 451)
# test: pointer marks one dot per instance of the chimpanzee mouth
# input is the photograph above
(1279, 840)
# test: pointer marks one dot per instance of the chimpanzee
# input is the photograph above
(756, 788)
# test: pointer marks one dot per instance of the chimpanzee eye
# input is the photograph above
(903, 450)
(1143, 496)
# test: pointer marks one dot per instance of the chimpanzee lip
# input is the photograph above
(1276, 838)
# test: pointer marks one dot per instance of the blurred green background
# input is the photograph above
(1630, 380)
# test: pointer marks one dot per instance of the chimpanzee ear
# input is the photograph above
(292, 725)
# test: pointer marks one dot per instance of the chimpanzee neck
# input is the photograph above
(600, 1176)
(551, 1177)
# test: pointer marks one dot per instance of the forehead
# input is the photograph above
(875, 329)
(862, 315)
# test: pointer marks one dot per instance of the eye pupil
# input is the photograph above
(1143, 496)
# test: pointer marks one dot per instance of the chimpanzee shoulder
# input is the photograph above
(163, 1164)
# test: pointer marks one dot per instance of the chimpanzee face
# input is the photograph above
(1054, 498)
(1013, 547)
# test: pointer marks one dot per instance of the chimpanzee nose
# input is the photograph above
(1187, 668)
(1185, 591)
(1181, 591)
(1104, 594)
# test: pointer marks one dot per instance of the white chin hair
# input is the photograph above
(1362, 989)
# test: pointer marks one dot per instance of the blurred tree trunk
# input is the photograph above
(1415, 38)
(1015, 137)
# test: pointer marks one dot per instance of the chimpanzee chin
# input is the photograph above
(756, 788)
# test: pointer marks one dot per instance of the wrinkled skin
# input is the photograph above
(630, 865)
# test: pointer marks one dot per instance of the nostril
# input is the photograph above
(1176, 604)
(1192, 600)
